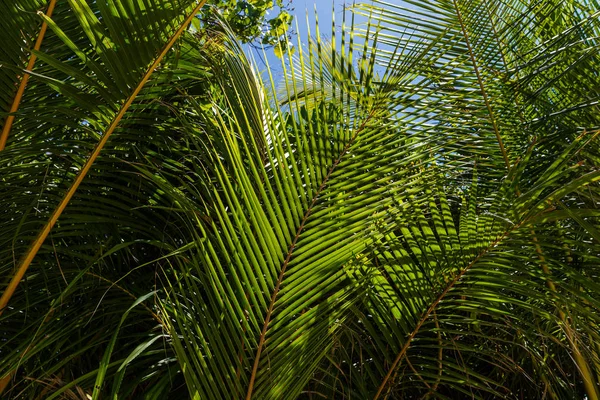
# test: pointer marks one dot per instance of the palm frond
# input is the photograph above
(410, 211)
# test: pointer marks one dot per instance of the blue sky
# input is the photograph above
(323, 7)
(302, 8)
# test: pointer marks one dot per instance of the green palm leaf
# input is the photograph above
(409, 211)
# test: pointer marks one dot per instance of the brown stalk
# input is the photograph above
(289, 256)
(35, 246)
(412, 368)
(580, 361)
(17, 100)
(5, 381)
(481, 86)
(401, 355)
(11, 117)
(547, 386)
(434, 305)
(31, 253)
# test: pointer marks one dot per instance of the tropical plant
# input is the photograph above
(250, 20)
(409, 211)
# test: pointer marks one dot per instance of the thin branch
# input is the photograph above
(417, 374)
(17, 100)
(434, 305)
(37, 244)
(580, 361)
(11, 117)
(290, 252)
(545, 268)
(481, 86)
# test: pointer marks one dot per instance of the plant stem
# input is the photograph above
(17, 100)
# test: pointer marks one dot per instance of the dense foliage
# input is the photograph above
(410, 211)
(252, 20)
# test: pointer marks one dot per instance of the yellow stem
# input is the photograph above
(481, 85)
(11, 117)
(401, 355)
(31, 253)
(591, 387)
(17, 100)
